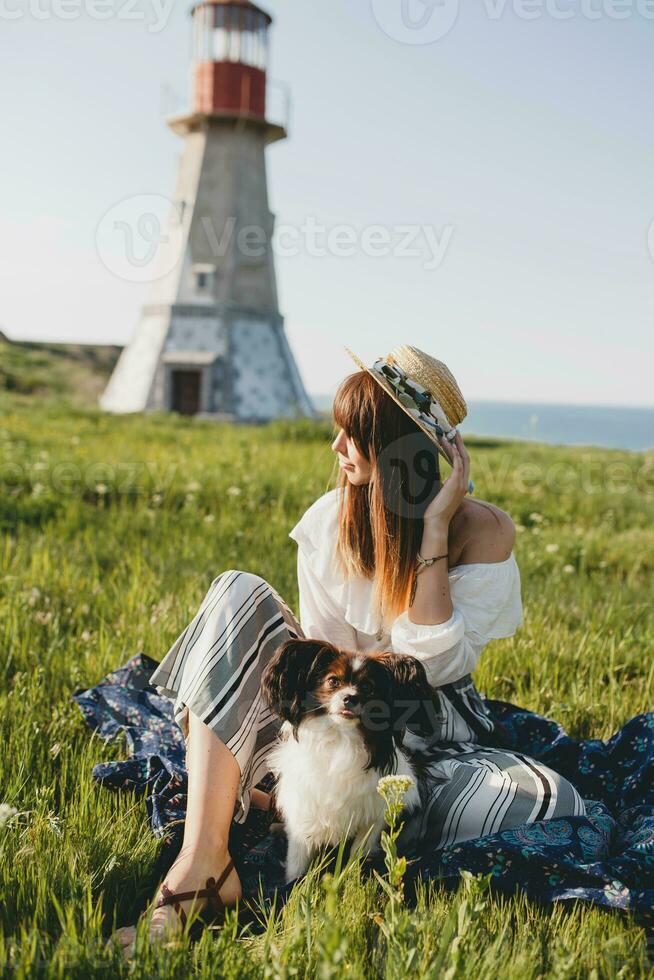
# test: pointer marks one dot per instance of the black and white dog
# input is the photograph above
(344, 717)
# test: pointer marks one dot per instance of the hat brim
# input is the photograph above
(390, 391)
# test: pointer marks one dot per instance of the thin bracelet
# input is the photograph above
(421, 562)
(429, 561)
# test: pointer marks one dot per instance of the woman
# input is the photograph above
(390, 559)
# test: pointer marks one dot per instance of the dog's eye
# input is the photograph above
(365, 688)
(332, 681)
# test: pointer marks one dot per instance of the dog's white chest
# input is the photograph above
(323, 788)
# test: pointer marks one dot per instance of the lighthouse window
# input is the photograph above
(210, 19)
(247, 38)
(258, 40)
(224, 33)
(202, 278)
(253, 39)
(220, 44)
(235, 45)
(220, 34)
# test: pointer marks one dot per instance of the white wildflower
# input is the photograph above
(55, 824)
(536, 518)
(551, 548)
(6, 813)
(568, 569)
(234, 491)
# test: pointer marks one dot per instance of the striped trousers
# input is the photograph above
(469, 789)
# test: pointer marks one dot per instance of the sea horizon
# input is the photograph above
(601, 426)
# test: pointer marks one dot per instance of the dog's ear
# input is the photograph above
(284, 682)
(408, 672)
(414, 702)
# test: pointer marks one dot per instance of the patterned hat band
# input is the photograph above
(417, 400)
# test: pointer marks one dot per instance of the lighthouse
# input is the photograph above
(210, 339)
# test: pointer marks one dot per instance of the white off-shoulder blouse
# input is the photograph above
(485, 597)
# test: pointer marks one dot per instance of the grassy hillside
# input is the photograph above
(112, 529)
(76, 373)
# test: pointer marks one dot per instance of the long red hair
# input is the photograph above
(380, 523)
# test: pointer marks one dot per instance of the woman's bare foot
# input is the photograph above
(189, 872)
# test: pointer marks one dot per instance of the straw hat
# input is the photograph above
(425, 388)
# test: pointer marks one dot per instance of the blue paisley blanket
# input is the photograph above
(605, 857)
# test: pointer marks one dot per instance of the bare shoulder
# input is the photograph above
(483, 532)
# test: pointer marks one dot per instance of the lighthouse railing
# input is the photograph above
(278, 104)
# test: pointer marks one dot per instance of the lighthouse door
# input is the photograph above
(186, 392)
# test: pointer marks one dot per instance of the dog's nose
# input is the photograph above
(351, 700)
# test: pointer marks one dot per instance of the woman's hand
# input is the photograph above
(441, 510)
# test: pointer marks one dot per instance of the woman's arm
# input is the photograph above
(431, 602)
(486, 605)
(449, 640)
(492, 541)
(446, 651)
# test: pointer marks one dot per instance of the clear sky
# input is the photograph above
(515, 140)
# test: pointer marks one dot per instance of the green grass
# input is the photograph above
(113, 528)
(75, 372)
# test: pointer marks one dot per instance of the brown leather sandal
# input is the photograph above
(215, 906)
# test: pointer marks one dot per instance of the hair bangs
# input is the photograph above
(354, 409)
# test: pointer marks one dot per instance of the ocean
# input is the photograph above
(563, 425)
